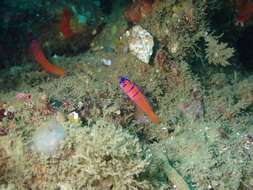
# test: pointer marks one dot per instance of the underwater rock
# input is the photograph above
(141, 43)
(47, 139)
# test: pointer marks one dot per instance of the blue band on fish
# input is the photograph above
(132, 87)
(136, 93)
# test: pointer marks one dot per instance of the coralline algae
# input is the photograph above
(47, 139)
(141, 43)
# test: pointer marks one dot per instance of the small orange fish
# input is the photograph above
(65, 23)
(42, 60)
(133, 92)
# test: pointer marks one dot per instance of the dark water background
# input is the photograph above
(21, 19)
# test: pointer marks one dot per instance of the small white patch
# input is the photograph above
(74, 115)
(107, 62)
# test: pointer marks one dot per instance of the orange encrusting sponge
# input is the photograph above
(42, 60)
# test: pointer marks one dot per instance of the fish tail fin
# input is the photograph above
(145, 106)
(154, 118)
(43, 61)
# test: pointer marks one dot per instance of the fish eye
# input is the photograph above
(122, 80)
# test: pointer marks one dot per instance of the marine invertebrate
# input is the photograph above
(161, 59)
(218, 53)
(138, 10)
(65, 23)
(74, 119)
(6, 113)
(132, 12)
(21, 96)
(245, 11)
(47, 139)
(42, 60)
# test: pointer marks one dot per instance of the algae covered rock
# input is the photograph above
(208, 156)
(100, 157)
(107, 158)
(12, 162)
(141, 43)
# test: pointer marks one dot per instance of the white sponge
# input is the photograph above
(47, 139)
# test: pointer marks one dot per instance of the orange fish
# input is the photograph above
(65, 23)
(133, 92)
(42, 60)
(245, 11)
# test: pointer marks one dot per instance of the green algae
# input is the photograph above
(218, 54)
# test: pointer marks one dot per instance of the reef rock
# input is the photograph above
(141, 43)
